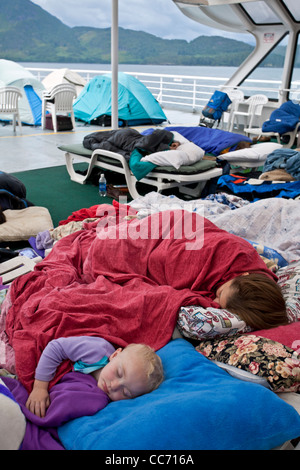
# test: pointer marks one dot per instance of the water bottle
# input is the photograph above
(102, 185)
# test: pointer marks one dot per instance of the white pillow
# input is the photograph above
(257, 152)
(186, 154)
(180, 138)
(25, 223)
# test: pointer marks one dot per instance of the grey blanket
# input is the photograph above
(124, 141)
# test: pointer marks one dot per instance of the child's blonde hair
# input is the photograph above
(153, 365)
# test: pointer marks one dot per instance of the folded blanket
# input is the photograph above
(283, 119)
(287, 159)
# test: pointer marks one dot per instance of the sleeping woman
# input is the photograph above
(254, 297)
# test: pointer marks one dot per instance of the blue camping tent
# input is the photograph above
(136, 104)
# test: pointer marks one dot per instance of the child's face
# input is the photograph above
(124, 376)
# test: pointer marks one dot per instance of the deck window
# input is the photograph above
(295, 82)
(293, 7)
(261, 13)
(266, 77)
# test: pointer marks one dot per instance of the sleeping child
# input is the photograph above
(120, 373)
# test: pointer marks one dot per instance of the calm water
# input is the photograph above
(160, 69)
(200, 71)
(262, 73)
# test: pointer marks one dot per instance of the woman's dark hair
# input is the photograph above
(258, 300)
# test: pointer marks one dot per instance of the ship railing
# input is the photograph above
(188, 92)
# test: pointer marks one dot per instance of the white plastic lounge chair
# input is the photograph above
(161, 177)
(9, 104)
(59, 100)
(259, 133)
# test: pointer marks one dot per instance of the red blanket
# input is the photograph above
(127, 287)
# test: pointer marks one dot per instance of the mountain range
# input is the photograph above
(30, 34)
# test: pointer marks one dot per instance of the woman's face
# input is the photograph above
(223, 293)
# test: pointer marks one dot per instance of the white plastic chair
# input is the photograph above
(236, 96)
(255, 105)
(9, 104)
(258, 132)
(59, 100)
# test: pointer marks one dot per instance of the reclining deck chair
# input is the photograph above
(283, 122)
(163, 177)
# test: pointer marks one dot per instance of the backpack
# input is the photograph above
(217, 104)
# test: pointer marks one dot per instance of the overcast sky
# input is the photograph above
(159, 17)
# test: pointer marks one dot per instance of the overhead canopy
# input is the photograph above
(64, 75)
(136, 104)
(30, 105)
(269, 21)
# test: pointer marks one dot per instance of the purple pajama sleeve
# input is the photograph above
(87, 349)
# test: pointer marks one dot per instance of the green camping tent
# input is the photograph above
(30, 105)
(136, 104)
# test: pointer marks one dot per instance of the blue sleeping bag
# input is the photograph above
(213, 141)
(284, 119)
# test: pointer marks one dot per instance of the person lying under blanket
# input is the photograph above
(126, 280)
(100, 374)
(179, 153)
(124, 141)
(120, 373)
(145, 151)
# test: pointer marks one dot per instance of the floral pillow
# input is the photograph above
(196, 322)
(262, 357)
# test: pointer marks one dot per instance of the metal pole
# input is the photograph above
(114, 64)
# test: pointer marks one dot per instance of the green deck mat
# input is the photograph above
(52, 188)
